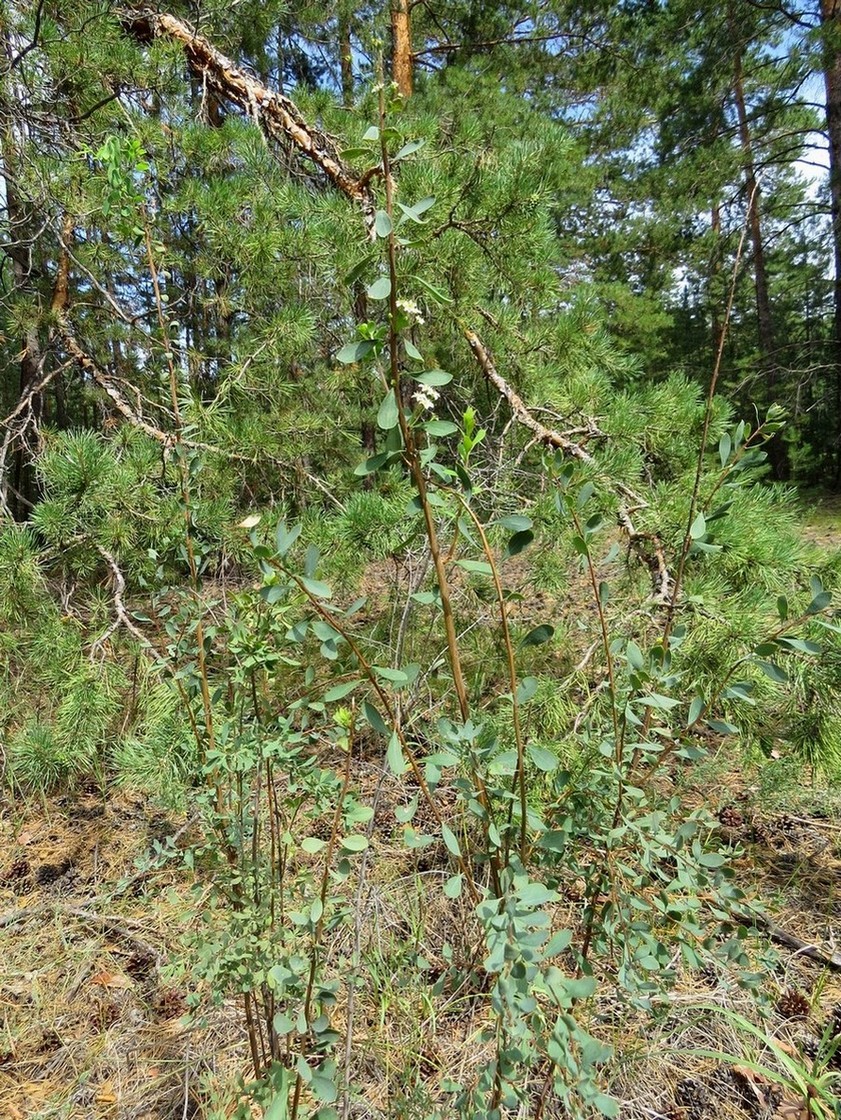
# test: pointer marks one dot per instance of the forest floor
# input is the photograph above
(94, 1021)
(93, 993)
(821, 514)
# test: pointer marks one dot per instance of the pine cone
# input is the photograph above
(834, 1021)
(730, 817)
(692, 1095)
(49, 872)
(810, 1046)
(710, 975)
(793, 1004)
(17, 873)
(169, 1004)
(140, 965)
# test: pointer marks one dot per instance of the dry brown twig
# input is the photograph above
(107, 383)
(115, 926)
(648, 546)
(123, 617)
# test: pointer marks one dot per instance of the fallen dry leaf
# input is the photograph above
(110, 980)
(106, 1094)
(789, 1106)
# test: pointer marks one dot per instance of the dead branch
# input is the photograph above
(123, 618)
(31, 392)
(277, 116)
(107, 383)
(101, 378)
(648, 546)
(116, 927)
(547, 436)
(15, 427)
(26, 404)
(791, 941)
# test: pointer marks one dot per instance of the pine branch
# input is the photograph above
(648, 546)
(273, 112)
(106, 382)
(280, 119)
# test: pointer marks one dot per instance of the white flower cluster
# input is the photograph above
(426, 397)
(410, 308)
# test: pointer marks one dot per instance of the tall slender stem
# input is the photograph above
(184, 471)
(411, 452)
(520, 776)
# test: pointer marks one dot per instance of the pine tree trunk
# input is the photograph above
(346, 62)
(831, 24)
(715, 273)
(402, 62)
(19, 249)
(765, 322)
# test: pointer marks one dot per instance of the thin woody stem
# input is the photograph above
(520, 776)
(413, 462)
(411, 452)
(184, 471)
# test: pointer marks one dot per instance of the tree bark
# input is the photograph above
(831, 27)
(346, 62)
(402, 60)
(765, 322)
(715, 273)
(278, 117)
(19, 248)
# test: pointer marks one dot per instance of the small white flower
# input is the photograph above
(426, 397)
(410, 308)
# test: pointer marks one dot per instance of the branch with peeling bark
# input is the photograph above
(101, 378)
(280, 119)
(277, 116)
(107, 383)
(647, 546)
(123, 618)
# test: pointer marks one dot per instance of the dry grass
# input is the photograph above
(92, 1028)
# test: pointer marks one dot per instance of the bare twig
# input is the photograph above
(648, 546)
(24, 405)
(791, 940)
(115, 926)
(107, 383)
(547, 436)
(123, 617)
